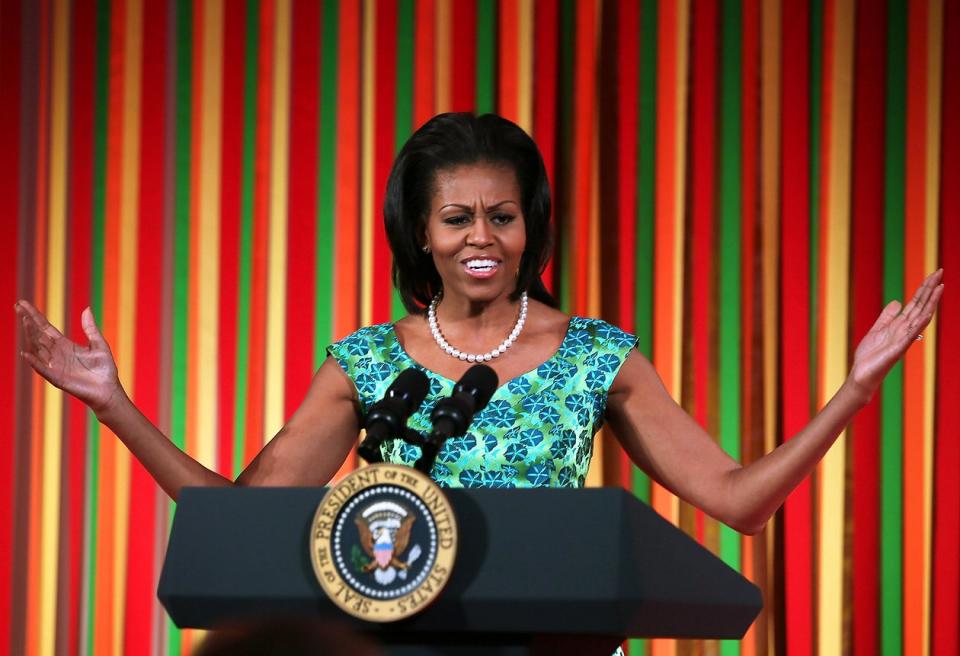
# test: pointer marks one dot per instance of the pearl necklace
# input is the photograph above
(474, 357)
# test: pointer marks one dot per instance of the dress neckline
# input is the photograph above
(431, 372)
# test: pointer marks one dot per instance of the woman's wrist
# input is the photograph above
(855, 392)
(109, 411)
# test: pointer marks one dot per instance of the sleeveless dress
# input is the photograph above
(536, 431)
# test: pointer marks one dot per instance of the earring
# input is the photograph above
(426, 248)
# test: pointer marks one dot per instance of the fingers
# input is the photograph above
(90, 328)
(923, 304)
(922, 296)
(33, 319)
(918, 296)
(889, 313)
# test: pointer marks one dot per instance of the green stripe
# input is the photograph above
(728, 400)
(565, 220)
(646, 217)
(486, 55)
(326, 191)
(816, 100)
(404, 102)
(891, 409)
(181, 249)
(98, 219)
(242, 355)
(646, 198)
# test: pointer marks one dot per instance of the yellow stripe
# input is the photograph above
(770, 190)
(934, 77)
(208, 270)
(525, 65)
(595, 472)
(442, 61)
(368, 103)
(834, 341)
(683, 18)
(277, 266)
(52, 398)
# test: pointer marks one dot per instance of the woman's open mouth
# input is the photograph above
(479, 267)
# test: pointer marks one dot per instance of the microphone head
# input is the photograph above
(411, 388)
(480, 382)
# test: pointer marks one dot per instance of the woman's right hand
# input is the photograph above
(87, 372)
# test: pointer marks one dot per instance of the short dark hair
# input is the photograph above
(444, 142)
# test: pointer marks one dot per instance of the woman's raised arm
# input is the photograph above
(666, 442)
(307, 451)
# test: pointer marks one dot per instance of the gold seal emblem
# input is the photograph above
(383, 542)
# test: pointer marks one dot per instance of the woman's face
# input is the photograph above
(475, 231)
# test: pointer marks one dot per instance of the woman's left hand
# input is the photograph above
(892, 334)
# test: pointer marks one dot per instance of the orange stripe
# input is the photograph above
(348, 144)
(914, 553)
(665, 229)
(442, 56)
(348, 188)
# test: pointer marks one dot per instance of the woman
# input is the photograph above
(467, 213)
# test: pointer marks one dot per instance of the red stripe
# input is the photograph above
(703, 207)
(946, 530)
(231, 176)
(628, 67)
(545, 97)
(304, 150)
(9, 208)
(584, 90)
(384, 144)
(463, 66)
(141, 577)
(423, 83)
(795, 315)
(867, 298)
(261, 207)
(81, 205)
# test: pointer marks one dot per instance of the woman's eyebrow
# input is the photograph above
(469, 208)
(496, 206)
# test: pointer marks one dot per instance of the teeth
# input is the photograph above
(481, 265)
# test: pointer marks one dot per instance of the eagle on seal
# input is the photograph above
(384, 545)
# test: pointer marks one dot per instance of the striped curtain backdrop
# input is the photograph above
(742, 183)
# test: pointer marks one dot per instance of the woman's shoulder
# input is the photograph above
(604, 335)
(363, 347)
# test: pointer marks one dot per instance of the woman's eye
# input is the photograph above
(459, 219)
(502, 219)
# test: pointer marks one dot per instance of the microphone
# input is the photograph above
(388, 417)
(452, 415)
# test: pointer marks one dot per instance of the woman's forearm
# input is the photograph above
(759, 489)
(172, 468)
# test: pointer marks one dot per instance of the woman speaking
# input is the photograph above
(467, 215)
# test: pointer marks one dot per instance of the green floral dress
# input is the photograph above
(536, 431)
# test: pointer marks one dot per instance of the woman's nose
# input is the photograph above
(479, 234)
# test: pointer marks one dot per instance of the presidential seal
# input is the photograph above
(383, 541)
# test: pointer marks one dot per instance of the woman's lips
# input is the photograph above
(481, 268)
